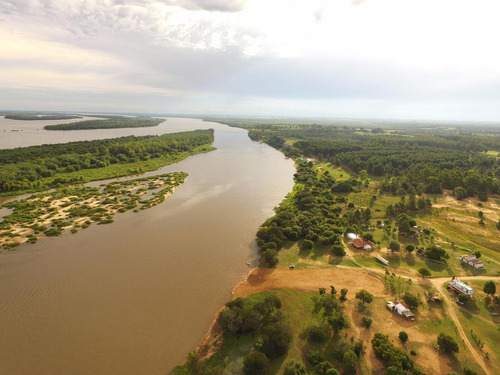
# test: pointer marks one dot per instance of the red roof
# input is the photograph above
(359, 243)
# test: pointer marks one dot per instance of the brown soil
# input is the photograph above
(309, 280)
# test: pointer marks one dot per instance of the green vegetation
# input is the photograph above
(396, 360)
(38, 168)
(52, 213)
(394, 188)
(447, 344)
(34, 117)
(110, 123)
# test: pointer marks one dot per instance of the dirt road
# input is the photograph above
(450, 307)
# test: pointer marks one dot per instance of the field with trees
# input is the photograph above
(109, 123)
(39, 168)
(422, 196)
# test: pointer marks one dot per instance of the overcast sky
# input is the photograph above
(404, 59)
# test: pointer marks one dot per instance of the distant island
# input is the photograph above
(38, 168)
(33, 117)
(109, 123)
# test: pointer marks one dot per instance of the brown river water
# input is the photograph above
(136, 296)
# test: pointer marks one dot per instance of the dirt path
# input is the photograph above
(309, 280)
(449, 307)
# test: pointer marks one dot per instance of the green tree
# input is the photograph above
(490, 288)
(394, 245)
(294, 368)
(411, 299)
(366, 322)
(447, 344)
(424, 272)
(350, 360)
(403, 336)
(463, 298)
(364, 296)
(343, 294)
(255, 363)
(410, 248)
(460, 193)
(306, 245)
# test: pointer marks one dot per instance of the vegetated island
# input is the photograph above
(109, 123)
(33, 117)
(38, 168)
(71, 209)
(417, 197)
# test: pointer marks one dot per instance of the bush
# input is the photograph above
(424, 272)
(306, 245)
(350, 360)
(343, 294)
(394, 246)
(489, 288)
(468, 371)
(403, 336)
(316, 334)
(338, 250)
(410, 248)
(447, 344)
(411, 299)
(314, 358)
(366, 322)
(413, 352)
(294, 368)
(255, 363)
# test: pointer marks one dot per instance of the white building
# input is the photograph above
(351, 236)
(471, 260)
(460, 287)
(400, 309)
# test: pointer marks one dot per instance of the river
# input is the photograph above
(136, 296)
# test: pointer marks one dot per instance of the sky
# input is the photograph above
(399, 59)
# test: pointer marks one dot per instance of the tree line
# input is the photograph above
(41, 167)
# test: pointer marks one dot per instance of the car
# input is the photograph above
(493, 313)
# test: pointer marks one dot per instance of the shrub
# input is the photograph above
(447, 344)
(294, 368)
(403, 336)
(424, 272)
(255, 363)
(366, 322)
(394, 246)
(338, 250)
(468, 371)
(316, 334)
(306, 245)
(411, 299)
(413, 352)
(410, 248)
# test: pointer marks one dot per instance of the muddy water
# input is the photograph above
(136, 296)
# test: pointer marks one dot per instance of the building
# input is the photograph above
(471, 260)
(360, 243)
(399, 308)
(351, 236)
(382, 260)
(458, 287)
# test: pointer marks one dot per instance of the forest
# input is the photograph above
(38, 168)
(108, 123)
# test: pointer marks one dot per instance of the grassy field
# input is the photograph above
(482, 329)
(297, 307)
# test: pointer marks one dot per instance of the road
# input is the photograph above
(450, 307)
